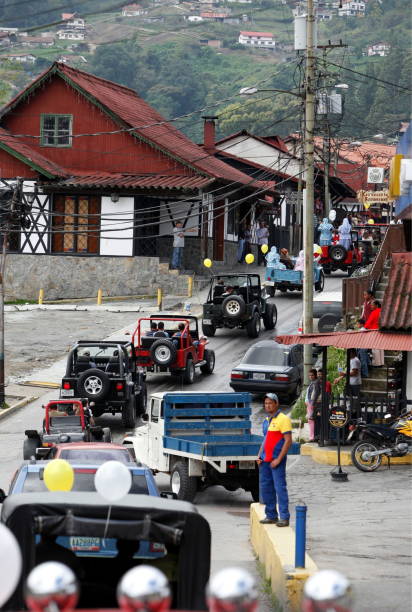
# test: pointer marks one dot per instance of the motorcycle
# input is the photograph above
(377, 441)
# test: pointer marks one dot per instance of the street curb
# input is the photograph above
(275, 549)
(329, 456)
(23, 402)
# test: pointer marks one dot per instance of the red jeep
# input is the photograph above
(336, 257)
(64, 421)
(178, 351)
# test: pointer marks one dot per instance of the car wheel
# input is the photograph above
(30, 446)
(270, 316)
(181, 483)
(233, 306)
(338, 253)
(208, 330)
(129, 414)
(141, 400)
(210, 362)
(327, 323)
(253, 327)
(93, 384)
(321, 282)
(189, 373)
(163, 352)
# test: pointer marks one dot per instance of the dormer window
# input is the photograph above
(56, 130)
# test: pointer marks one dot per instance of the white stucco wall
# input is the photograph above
(117, 219)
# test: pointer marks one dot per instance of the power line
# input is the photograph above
(368, 76)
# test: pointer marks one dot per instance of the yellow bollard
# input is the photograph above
(99, 297)
(190, 286)
(159, 298)
(41, 296)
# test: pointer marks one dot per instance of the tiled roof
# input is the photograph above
(132, 181)
(268, 34)
(148, 124)
(396, 314)
(28, 155)
(369, 339)
(366, 153)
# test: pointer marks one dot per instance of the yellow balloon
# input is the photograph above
(317, 249)
(264, 248)
(371, 222)
(367, 205)
(207, 263)
(249, 259)
(58, 475)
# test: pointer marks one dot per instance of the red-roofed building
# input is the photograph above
(259, 40)
(114, 176)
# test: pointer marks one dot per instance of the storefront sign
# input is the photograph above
(374, 197)
(376, 175)
(338, 417)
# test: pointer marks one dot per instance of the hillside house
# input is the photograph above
(133, 10)
(71, 34)
(112, 177)
(36, 41)
(261, 40)
(72, 21)
(21, 58)
(381, 48)
(352, 9)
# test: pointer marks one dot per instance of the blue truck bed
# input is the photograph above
(209, 424)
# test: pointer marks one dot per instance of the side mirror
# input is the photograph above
(145, 417)
(2, 496)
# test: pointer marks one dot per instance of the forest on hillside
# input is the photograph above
(183, 79)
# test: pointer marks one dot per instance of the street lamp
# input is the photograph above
(249, 91)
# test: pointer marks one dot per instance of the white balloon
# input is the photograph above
(332, 215)
(113, 480)
(10, 563)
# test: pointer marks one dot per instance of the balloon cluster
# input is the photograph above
(112, 479)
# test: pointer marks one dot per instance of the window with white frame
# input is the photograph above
(56, 130)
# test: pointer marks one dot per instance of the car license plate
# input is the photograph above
(207, 321)
(67, 392)
(246, 465)
(85, 544)
(259, 376)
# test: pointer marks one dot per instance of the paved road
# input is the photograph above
(227, 512)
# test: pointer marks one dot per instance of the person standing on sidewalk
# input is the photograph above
(262, 235)
(178, 244)
(313, 396)
(277, 431)
(241, 243)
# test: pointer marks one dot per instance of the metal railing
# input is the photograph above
(353, 288)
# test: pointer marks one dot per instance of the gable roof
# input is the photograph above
(135, 115)
(17, 148)
(396, 314)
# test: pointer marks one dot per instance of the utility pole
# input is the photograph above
(326, 162)
(310, 191)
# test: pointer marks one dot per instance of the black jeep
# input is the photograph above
(106, 373)
(237, 300)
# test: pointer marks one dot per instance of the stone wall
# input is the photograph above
(68, 277)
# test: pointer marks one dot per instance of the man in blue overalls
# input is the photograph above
(277, 431)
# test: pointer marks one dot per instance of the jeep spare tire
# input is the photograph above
(233, 306)
(163, 352)
(93, 384)
(338, 253)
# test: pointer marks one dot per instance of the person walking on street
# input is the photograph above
(313, 394)
(326, 230)
(277, 432)
(262, 234)
(179, 243)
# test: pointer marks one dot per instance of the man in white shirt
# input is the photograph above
(355, 379)
(262, 235)
(178, 244)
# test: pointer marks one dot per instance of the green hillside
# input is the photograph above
(169, 65)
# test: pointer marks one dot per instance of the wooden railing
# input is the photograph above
(353, 288)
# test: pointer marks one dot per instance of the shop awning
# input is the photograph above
(369, 339)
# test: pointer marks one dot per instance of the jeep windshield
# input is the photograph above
(232, 281)
(97, 351)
